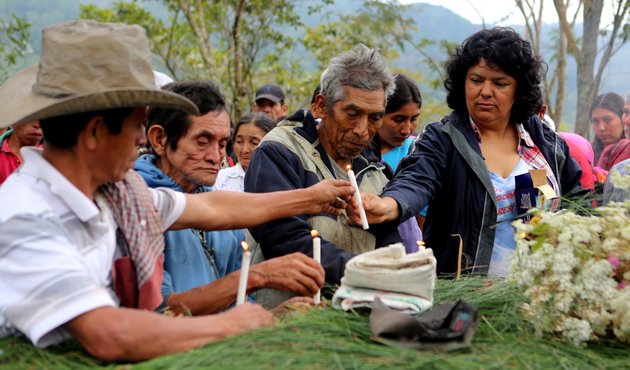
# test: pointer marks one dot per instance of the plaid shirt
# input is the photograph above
(529, 152)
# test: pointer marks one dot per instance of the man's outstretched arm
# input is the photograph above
(224, 210)
(294, 272)
(122, 334)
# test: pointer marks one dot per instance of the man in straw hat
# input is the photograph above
(74, 207)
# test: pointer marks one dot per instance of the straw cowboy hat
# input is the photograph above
(86, 66)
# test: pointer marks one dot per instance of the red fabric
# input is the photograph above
(124, 277)
(9, 162)
(125, 284)
(139, 274)
(614, 154)
(150, 294)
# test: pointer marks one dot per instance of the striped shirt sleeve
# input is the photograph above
(44, 280)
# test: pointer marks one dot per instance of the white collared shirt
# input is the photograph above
(232, 178)
(56, 250)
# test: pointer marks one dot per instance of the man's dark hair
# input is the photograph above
(503, 49)
(406, 92)
(206, 96)
(63, 131)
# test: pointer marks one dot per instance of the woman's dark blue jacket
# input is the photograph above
(447, 172)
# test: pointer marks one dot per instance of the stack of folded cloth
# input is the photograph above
(403, 282)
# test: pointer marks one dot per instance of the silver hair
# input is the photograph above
(361, 67)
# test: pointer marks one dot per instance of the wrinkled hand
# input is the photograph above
(330, 196)
(377, 209)
(294, 272)
(248, 316)
(295, 304)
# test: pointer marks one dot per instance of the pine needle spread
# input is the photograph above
(324, 338)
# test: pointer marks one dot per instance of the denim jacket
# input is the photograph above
(188, 261)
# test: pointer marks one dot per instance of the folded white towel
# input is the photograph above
(391, 269)
(347, 298)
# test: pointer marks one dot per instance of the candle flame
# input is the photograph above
(420, 243)
(245, 246)
(314, 233)
(348, 167)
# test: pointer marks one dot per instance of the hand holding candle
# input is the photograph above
(357, 197)
(242, 283)
(317, 255)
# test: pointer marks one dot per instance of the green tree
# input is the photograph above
(555, 82)
(221, 40)
(585, 50)
(14, 35)
(242, 44)
(378, 24)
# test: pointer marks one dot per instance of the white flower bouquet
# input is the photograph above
(575, 272)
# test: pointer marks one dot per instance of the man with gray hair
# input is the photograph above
(298, 153)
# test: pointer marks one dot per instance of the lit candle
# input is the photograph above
(317, 255)
(421, 245)
(357, 197)
(242, 283)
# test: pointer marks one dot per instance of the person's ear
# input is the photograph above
(158, 139)
(93, 132)
(285, 109)
(319, 107)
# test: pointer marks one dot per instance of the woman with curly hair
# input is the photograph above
(464, 166)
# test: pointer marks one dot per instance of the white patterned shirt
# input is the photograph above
(232, 178)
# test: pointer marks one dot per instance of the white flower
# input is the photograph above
(575, 330)
(567, 265)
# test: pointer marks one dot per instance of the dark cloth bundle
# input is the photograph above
(446, 327)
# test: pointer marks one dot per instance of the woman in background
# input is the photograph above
(400, 121)
(606, 112)
(619, 151)
(248, 133)
(395, 141)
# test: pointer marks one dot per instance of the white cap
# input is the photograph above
(161, 79)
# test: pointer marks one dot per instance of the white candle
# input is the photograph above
(317, 255)
(242, 283)
(357, 197)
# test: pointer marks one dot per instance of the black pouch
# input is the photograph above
(446, 327)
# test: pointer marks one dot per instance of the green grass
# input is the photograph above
(330, 339)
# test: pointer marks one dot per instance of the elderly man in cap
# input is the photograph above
(201, 267)
(270, 100)
(300, 153)
(76, 223)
